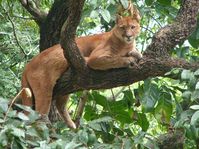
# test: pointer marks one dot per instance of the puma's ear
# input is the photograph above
(136, 14)
(118, 17)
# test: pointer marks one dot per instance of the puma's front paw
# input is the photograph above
(129, 61)
(135, 54)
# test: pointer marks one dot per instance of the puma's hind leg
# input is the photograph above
(61, 102)
(42, 91)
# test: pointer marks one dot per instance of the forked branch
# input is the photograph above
(33, 8)
(156, 60)
(172, 34)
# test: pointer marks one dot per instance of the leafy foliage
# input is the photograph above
(125, 117)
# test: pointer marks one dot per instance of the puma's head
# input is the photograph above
(127, 28)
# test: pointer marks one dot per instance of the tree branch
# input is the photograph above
(33, 9)
(71, 51)
(14, 33)
(156, 60)
(172, 34)
(118, 77)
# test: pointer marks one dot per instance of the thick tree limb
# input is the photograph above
(171, 35)
(156, 61)
(33, 9)
(68, 32)
(118, 77)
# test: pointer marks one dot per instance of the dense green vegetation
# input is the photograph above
(142, 115)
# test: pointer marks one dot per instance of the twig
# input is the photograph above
(14, 32)
(155, 20)
(25, 18)
(81, 106)
(147, 29)
(113, 96)
(118, 93)
(12, 102)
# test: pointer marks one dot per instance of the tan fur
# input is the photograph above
(114, 49)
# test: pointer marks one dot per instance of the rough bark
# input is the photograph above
(156, 61)
(50, 24)
(68, 33)
(33, 8)
(51, 28)
(171, 140)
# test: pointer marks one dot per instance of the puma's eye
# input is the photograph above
(133, 26)
(122, 27)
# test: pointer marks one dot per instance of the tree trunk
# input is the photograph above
(51, 28)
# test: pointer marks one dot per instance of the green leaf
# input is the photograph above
(98, 124)
(195, 95)
(186, 95)
(128, 143)
(196, 73)
(18, 132)
(163, 110)
(165, 2)
(150, 97)
(117, 107)
(190, 132)
(194, 42)
(42, 130)
(128, 97)
(192, 82)
(26, 108)
(197, 86)
(106, 15)
(125, 3)
(103, 119)
(100, 99)
(195, 119)
(3, 104)
(193, 39)
(123, 117)
(1, 121)
(91, 139)
(90, 113)
(149, 2)
(194, 107)
(94, 14)
(73, 145)
(197, 34)
(22, 116)
(43, 145)
(181, 52)
(186, 74)
(83, 136)
(142, 121)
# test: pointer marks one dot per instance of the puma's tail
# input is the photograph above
(26, 94)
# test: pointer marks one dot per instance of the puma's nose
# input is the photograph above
(128, 36)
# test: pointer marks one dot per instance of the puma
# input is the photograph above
(113, 49)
